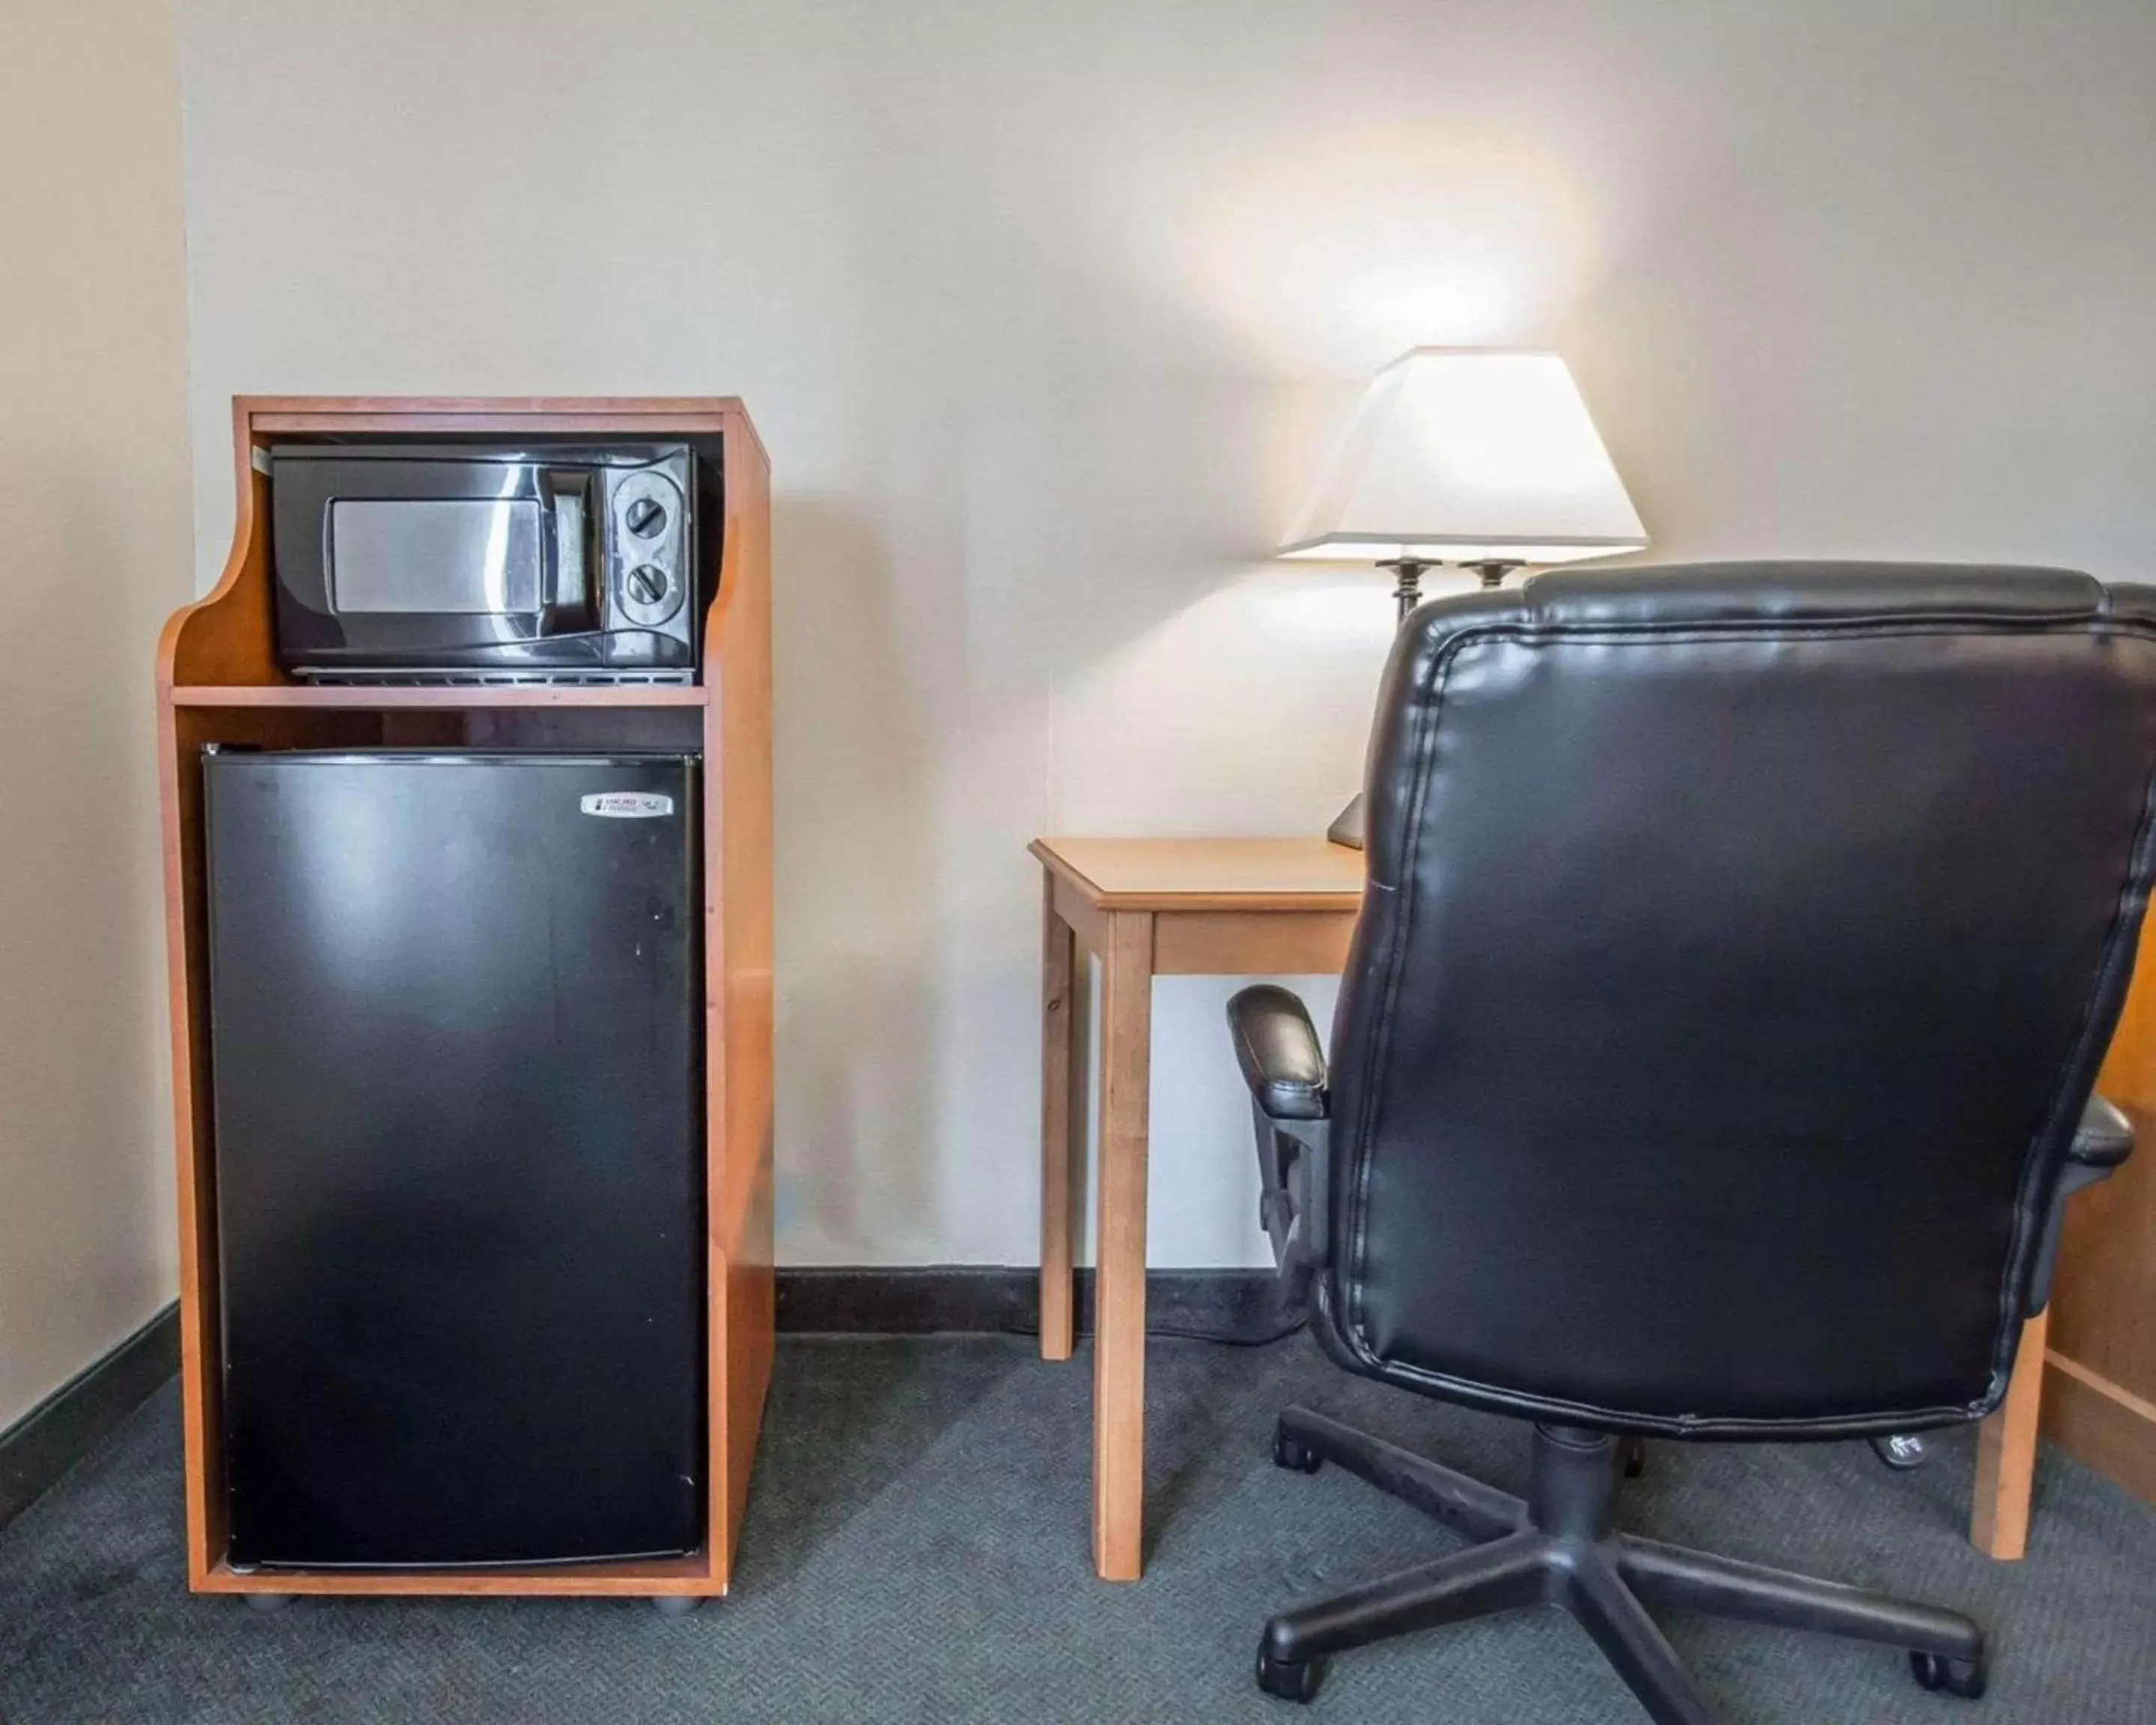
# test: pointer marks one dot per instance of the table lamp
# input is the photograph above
(1479, 457)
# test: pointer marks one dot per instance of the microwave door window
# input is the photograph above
(437, 557)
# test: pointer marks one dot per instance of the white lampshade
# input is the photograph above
(1469, 456)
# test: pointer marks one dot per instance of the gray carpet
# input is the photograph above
(916, 1550)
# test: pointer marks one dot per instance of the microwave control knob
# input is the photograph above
(648, 584)
(645, 516)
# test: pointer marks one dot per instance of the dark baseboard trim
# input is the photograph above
(69, 1424)
(1238, 1306)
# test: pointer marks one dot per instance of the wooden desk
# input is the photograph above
(1148, 907)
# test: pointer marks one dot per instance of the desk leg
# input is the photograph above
(1119, 1320)
(2006, 1452)
(1062, 1071)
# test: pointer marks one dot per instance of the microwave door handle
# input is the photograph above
(569, 607)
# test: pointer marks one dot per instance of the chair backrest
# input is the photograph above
(1740, 946)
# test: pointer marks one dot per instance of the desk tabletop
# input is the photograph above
(1311, 874)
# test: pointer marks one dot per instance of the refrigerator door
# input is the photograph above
(457, 1078)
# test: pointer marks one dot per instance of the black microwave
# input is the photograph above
(451, 562)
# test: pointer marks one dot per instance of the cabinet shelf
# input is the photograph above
(450, 697)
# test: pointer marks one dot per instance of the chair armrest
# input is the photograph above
(2103, 1140)
(1277, 1046)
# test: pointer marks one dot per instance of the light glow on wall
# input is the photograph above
(1330, 257)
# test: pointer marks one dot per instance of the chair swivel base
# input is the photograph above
(1559, 1547)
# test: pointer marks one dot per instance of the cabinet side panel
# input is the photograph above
(180, 738)
(228, 636)
(739, 649)
(751, 1305)
(738, 976)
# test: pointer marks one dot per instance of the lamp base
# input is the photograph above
(1347, 828)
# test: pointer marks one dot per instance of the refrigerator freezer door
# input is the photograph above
(457, 1076)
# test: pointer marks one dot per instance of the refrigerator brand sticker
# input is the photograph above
(627, 805)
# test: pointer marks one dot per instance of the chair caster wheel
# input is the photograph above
(1902, 1452)
(1289, 1679)
(1290, 1454)
(1956, 1677)
(266, 1603)
(674, 1605)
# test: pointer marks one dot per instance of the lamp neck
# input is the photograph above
(1407, 593)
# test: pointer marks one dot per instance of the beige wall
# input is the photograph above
(94, 551)
(1047, 311)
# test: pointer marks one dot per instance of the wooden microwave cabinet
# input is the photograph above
(219, 682)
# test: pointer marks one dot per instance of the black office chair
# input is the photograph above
(1714, 1053)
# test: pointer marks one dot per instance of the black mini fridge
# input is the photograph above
(455, 1005)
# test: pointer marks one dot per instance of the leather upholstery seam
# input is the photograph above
(1440, 674)
(1923, 622)
(1527, 633)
